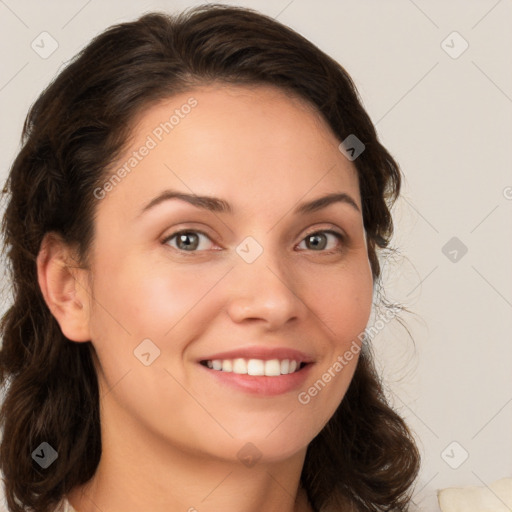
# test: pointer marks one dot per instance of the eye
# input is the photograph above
(189, 240)
(186, 240)
(317, 241)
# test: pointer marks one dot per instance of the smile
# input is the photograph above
(256, 367)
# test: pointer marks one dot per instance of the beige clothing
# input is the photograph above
(65, 506)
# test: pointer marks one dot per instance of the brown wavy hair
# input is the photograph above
(365, 458)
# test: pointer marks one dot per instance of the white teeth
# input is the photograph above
(257, 367)
(272, 367)
(239, 366)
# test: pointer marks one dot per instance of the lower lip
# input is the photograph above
(262, 385)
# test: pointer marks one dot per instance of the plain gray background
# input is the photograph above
(446, 115)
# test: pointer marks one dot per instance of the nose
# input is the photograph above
(265, 291)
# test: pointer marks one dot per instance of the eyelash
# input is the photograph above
(339, 236)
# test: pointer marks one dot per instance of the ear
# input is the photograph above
(64, 287)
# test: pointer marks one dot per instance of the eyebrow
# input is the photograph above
(215, 204)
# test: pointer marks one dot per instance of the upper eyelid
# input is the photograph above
(185, 230)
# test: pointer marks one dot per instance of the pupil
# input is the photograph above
(184, 238)
(316, 243)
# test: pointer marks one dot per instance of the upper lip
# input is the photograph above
(263, 353)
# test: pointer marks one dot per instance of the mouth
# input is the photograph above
(258, 370)
(257, 377)
(255, 367)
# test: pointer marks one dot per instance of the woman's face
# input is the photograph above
(257, 276)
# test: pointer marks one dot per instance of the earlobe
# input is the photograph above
(63, 287)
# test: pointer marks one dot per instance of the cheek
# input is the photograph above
(148, 299)
(343, 302)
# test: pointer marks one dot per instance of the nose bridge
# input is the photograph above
(264, 286)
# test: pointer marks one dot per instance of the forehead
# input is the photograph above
(233, 141)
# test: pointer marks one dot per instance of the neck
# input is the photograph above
(140, 471)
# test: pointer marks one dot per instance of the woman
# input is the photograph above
(193, 227)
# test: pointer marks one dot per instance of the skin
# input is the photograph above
(170, 431)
